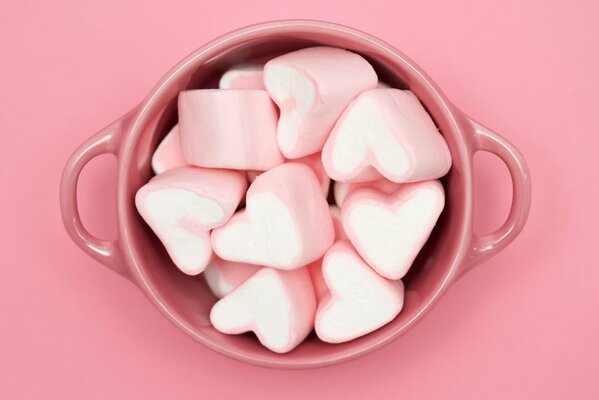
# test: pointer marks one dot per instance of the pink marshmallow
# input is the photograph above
(360, 301)
(233, 129)
(312, 87)
(183, 204)
(247, 76)
(286, 223)
(168, 153)
(314, 163)
(385, 132)
(342, 189)
(224, 276)
(278, 306)
(388, 231)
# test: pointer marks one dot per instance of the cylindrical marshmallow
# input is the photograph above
(233, 129)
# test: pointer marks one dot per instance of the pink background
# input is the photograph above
(522, 325)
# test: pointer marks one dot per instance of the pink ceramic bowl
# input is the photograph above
(139, 257)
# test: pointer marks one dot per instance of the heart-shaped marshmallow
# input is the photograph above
(389, 230)
(245, 76)
(233, 129)
(342, 189)
(360, 301)
(278, 306)
(168, 153)
(286, 223)
(312, 161)
(312, 86)
(224, 276)
(385, 132)
(183, 204)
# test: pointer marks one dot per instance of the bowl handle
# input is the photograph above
(107, 252)
(483, 247)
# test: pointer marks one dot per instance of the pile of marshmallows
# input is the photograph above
(280, 258)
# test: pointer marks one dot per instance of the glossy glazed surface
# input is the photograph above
(452, 249)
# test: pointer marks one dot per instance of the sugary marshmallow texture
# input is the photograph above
(342, 189)
(385, 132)
(286, 223)
(388, 231)
(168, 154)
(233, 129)
(245, 76)
(278, 306)
(224, 276)
(360, 301)
(312, 87)
(183, 204)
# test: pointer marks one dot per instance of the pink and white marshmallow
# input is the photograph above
(278, 306)
(286, 223)
(385, 132)
(168, 154)
(360, 301)
(388, 231)
(245, 76)
(233, 129)
(224, 276)
(183, 204)
(312, 87)
(342, 189)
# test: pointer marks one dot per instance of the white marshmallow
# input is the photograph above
(388, 231)
(278, 306)
(286, 223)
(183, 204)
(360, 301)
(385, 132)
(312, 86)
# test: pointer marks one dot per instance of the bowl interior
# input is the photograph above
(187, 300)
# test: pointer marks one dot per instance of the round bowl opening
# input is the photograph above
(186, 300)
